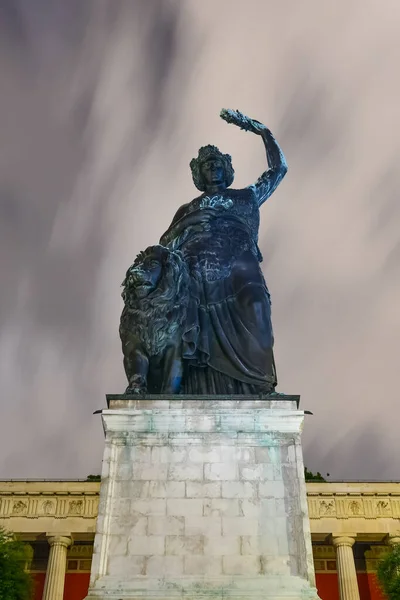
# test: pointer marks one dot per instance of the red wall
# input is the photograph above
(328, 587)
(38, 579)
(76, 586)
(368, 586)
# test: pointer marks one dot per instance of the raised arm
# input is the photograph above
(267, 183)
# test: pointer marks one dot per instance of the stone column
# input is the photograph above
(56, 567)
(346, 568)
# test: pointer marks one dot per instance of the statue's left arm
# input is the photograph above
(267, 183)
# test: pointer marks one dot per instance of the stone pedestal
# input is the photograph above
(202, 498)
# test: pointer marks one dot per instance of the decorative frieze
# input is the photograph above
(325, 501)
(339, 505)
(44, 506)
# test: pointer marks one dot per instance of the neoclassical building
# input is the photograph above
(352, 524)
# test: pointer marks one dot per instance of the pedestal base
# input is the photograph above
(202, 498)
(237, 588)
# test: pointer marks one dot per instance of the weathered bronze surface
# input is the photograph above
(221, 341)
(156, 296)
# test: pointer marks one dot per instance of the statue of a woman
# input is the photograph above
(228, 338)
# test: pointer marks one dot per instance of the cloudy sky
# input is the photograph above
(103, 103)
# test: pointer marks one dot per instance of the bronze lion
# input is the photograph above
(156, 296)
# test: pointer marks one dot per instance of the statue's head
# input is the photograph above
(212, 169)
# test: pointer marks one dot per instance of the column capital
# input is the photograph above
(341, 539)
(64, 540)
(393, 538)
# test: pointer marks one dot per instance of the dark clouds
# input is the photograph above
(103, 104)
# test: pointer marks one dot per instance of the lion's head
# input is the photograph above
(143, 277)
(156, 296)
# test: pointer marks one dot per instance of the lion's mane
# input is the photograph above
(156, 318)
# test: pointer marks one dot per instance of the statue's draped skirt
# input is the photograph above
(228, 340)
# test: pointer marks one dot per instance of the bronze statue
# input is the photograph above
(226, 339)
(152, 321)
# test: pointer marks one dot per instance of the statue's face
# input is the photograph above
(144, 276)
(213, 173)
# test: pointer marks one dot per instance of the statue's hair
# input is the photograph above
(156, 318)
(205, 153)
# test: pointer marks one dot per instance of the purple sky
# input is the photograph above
(103, 104)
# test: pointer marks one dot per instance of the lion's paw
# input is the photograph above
(135, 390)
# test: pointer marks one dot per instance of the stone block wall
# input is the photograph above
(202, 491)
